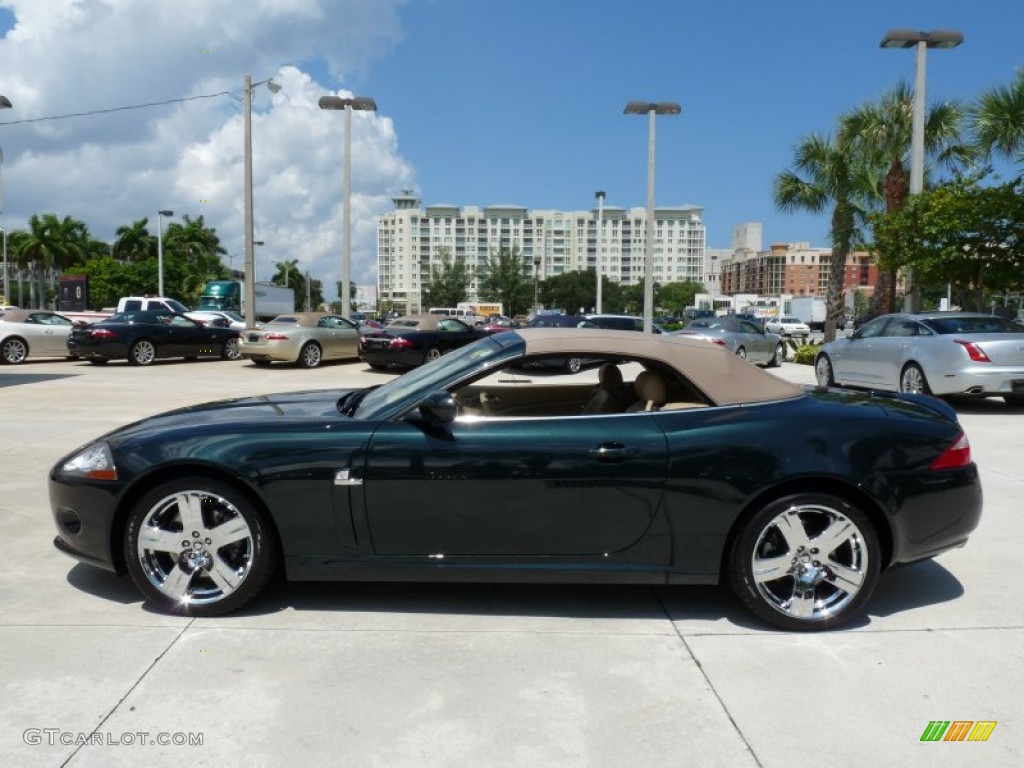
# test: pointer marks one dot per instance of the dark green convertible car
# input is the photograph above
(674, 462)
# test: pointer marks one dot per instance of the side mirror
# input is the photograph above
(438, 408)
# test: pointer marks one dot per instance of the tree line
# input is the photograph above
(962, 234)
(129, 266)
(506, 276)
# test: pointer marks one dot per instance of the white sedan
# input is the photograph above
(219, 319)
(787, 325)
(26, 333)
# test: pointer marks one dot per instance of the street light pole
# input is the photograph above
(250, 250)
(651, 109)
(921, 41)
(160, 250)
(364, 103)
(5, 103)
(597, 254)
(536, 284)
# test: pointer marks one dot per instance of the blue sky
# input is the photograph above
(480, 102)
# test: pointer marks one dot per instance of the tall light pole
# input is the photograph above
(651, 109)
(536, 284)
(5, 103)
(597, 255)
(250, 251)
(364, 103)
(160, 250)
(910, 38)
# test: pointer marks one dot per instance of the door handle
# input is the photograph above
(613, 452)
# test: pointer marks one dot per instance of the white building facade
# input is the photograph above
(412, 239)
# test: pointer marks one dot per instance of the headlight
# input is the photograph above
(94, 463)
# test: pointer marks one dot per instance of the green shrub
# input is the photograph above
(806, 353)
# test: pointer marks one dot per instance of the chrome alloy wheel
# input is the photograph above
(143, 352)
(14, 351)
(912, 380)
(810, 562)
(195, 547)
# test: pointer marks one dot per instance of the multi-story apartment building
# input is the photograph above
(412, 239)
(794, 269)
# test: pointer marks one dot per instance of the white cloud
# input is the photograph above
(68, 56)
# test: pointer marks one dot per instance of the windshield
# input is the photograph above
(176, 306)
(434, 375)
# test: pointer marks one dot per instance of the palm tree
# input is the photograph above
(996, 121)
(50, 245)
(289, 275)
(134, 242)
(828, 174)
(880, 134)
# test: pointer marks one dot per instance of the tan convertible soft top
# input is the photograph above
(721, 375)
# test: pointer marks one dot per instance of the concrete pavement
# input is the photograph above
(479, 675)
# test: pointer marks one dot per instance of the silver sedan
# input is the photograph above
(741, 337)
(26, 333)
(939, 353)
(304, 338)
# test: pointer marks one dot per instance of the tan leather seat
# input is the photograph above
(609, 395)
(651, 392)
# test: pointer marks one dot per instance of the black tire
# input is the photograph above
(573, 364)
(431, 354)
(779, 356)
(260, 362)
(912, 379)
(823, 371)
(1014, 401)
(14, 351)
(98, 360)
(142, 352)
(310, 356)
(778, 573)
(230, 350)
(741, 353)
(173, 554)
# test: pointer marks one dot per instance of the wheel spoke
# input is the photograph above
(844, 577)
(802, 603)
(229, 532)
(177, 583)
(771, 568)
(224, 576)
(837, 533)
(190, 508)
(792, 529)
(159, 540)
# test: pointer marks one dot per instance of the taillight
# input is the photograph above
(976, 353)
(400, 343)
(275, 336)
(956, 456)
(102, 333)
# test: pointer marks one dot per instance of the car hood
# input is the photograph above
(312, 404)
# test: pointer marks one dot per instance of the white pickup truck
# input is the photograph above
(129, 304)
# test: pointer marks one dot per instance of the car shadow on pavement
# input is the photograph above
(916, 585)
(470, 599)
(103, 584)
(12, 379)
(902, 589)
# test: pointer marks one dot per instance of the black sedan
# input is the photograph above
(142, 337)
(408, 341)
(684, 465)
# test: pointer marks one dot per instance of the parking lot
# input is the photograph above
(480, 675)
